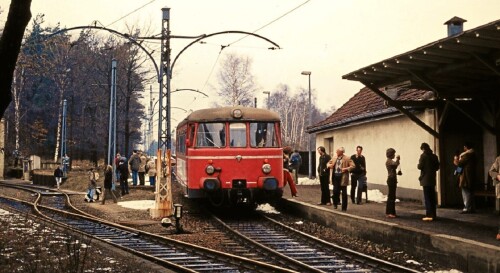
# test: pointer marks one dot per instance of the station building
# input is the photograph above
(444, 93)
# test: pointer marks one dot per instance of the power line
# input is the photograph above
(131, 12)
(212, 70)
(288, 12)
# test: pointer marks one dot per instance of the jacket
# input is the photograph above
(142, 166)
(468, 163)
(123, 169)
(135, 162)
(58, 173)
(151, 168)
(108, 179)
(391, 167)
(345, 162)
(428, 164)
(494, 171)
(322, 166)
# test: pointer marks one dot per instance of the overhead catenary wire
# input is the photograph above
(260, 28)
(273, 21)
(126, 15)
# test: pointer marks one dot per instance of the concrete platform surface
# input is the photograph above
(464, 241)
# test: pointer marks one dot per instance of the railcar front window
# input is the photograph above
(211, 135)
(262, 134)
(237, 135)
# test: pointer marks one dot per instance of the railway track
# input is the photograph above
(173, 254)
(285, 246)
(257, 238)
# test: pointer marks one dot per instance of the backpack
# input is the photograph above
(295, 160)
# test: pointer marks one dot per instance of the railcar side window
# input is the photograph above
(209, 135)
(262, 134)
(238, 135)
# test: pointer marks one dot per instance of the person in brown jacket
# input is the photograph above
(340, 166)
(466, 162)
(495, 176)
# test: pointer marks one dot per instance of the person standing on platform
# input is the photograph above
(142, 168)
(91, 188)
(117, 163)
(295, 163)
(324, 176)
(123, 175)
(286, 172)
(151, 169)
(358, 175)
(495, 175)
(466, 162)
(65, 161)
(428, 164)
(340, 166)
(58, 174)
(392, 182)
(135, 163)
(108, 184)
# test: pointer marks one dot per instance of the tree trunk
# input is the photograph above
(58, 131)
(10, 45)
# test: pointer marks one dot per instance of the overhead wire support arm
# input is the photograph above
(201, 37)
(124, 35)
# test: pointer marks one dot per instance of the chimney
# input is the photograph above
(455, 26)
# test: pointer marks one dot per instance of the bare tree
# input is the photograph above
(237, 86)
(10, 45)
(293, 111)
(17, 88)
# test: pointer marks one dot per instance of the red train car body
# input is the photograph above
(230, 155)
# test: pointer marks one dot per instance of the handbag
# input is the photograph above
(398, 169)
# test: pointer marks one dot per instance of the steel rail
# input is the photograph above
(165, 251)
(302, 251)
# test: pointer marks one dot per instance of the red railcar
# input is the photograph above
(230, 155)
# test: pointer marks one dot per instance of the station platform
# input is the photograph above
(464, 242)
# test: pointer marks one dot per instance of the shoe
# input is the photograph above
(328, 204)
(464, 212)
(391, 216)
(335, 206)
(428, 219)
(295, 195)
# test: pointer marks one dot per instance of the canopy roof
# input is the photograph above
(465, 65)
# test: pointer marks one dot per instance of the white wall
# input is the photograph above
(399, 133)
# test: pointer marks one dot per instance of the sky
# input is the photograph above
(330, 38)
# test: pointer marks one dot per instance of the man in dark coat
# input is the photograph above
(123, 168)
(324, 176)
(428, 164)
(58, 174)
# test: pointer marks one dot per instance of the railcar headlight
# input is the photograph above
(266, 168)
(237, 113)
(210, 169)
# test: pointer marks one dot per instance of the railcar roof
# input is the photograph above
(224, 114)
